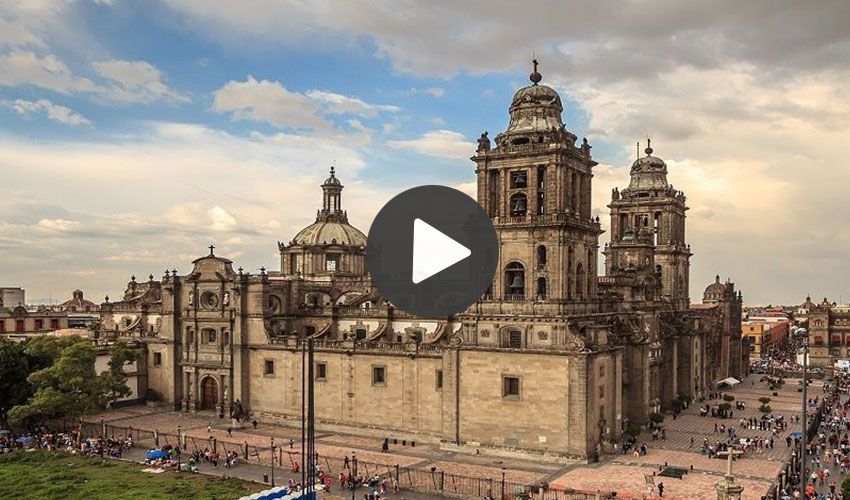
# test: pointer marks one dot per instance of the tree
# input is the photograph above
(14, 369)
(70, 387)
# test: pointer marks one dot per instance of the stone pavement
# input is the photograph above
(622, 473)
(625, 474)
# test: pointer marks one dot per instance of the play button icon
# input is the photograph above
(432, 251)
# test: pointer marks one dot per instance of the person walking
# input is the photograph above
(660, 490)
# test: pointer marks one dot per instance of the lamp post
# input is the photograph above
(353, 475)
(177, 449)
(803, 478)
(272, 439)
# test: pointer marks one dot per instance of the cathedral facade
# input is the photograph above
(553, 359)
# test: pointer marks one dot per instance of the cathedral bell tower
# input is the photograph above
(651, 206)
(535, 184)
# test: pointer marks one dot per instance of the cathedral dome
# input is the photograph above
(648, 173)
(330, 232)
(535, 108)
(716, 290)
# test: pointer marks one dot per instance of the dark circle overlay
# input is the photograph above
(389, 251)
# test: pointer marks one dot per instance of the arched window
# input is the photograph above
(579, 281)
(541, 256)
(515, 281)
(541, 288)
(514, 340)
(519, 205)
(570, 259)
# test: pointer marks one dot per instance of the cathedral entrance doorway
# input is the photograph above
(209, 393)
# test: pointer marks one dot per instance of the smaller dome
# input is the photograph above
(330, 233)
(716, 289)
(648, 173)
(332, 180)
(808, 304)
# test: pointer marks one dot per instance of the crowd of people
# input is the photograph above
(53, 440)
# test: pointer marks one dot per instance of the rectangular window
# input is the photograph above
(269, 368)
(515, 339)
(510, 387)
(332, 262)
(54, 324)
(39, 324)
(439, 379)
(157, 358)
(321, 371)
(2, 326)
(601, 391)
(379, 375)
(19, 325)
(601, 370)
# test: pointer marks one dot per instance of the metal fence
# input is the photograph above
(428, 480)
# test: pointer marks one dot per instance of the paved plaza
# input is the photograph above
(623, 473)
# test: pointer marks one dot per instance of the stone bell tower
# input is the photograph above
(651, 205)
(535, 184)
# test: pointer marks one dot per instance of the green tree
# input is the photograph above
(14, 369)
(70, 387)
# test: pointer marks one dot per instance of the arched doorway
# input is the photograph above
(209, 393)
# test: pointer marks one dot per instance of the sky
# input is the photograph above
(133, 134)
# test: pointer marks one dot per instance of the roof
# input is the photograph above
(330, 232)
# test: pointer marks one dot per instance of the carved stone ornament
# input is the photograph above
(543, 335)
(455, 340)
(485, 333)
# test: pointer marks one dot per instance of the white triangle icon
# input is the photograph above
(433, 251)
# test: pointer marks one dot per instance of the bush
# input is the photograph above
(764, 400)
(765, 408)
(633, 430)
(656, 418)
(728, 398)
(725, 407)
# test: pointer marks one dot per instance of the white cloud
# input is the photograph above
(136, 81)
(194, 186)
(270, 102)
(333, 103)
(52, 111)
(273, 103)
(439, 143)
(17, 33)
(27, 68)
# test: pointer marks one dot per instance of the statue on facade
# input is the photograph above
(191, 298)
(484, 142)
(615, 194)
(226, 298)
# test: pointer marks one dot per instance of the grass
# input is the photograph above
(50, 476)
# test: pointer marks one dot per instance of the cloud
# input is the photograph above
(271, 102)
(26, 68)
(16, 33)
(340, 104)
(438, 143)
(437, 92)
(136, 81)
(55, 112)
(192, 186)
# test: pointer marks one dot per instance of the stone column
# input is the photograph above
(195, 392)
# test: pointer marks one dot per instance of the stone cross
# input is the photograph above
(730, 454)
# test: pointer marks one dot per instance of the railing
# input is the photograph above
(431, 480)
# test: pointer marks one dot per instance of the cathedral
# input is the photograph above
(552, 360)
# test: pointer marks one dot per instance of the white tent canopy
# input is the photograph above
(732, 381)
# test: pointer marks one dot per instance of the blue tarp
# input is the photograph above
(25, 440)
(156, 454)
(796, 434)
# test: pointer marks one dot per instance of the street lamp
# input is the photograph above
(803, 478)
(177, 450)
(353, 475)
(272, 461)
